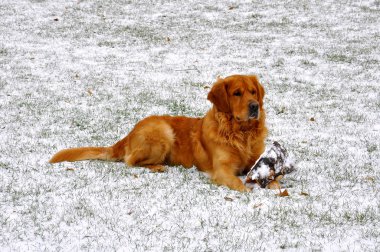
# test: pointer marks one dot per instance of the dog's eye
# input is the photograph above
(253, 92)
(237, 93)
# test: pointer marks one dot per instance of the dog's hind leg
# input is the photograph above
(148, 156)
(150, 146)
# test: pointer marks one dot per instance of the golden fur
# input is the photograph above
(225, 143)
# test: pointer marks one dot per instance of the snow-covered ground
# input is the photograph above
(77, 73)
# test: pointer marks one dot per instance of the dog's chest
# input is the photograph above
(253, 148)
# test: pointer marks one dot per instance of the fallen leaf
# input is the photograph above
(278, 178)
(228, 198)
(283, 193)
(304, 194)
(312, 119)
(69, 169)
(89, 91)
(273, 185)
(257, 205)
(370, 179)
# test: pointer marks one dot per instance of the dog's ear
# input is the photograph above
(260, 88)
(219, 96)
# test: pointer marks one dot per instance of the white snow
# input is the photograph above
(78, 73)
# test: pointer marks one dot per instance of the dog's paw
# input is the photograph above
(156, 168)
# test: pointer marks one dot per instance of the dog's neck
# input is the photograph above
(227, 131)
(232, 125)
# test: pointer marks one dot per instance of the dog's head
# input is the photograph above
(240, 95)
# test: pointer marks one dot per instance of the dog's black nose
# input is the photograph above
(253, 108)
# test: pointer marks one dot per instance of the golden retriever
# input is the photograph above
(225, 143)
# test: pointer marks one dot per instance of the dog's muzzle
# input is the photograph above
(253, 110)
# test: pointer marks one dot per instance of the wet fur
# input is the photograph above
(224, 143)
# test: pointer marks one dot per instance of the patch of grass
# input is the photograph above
(179, 108)
(144, 33)
(4, 52)
(371, 147)
(308, 63)
(283, 23)
(339, 58)
(279, 63)
(356, 118)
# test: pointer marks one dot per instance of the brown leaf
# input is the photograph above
(304, 194)
(89, 91)
(312, 119)
(69, 169)
(370, 179)
(283, 193)
(257, 205)
(228, 198)
(274, 185)
(278, 178)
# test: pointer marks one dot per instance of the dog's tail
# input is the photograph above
(84, 153)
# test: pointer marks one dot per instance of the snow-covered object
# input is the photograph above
(272, 164)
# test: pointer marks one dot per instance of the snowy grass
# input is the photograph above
(77, 73)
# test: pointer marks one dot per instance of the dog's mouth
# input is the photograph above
(251, 116)
(253, 110)
(254, 115)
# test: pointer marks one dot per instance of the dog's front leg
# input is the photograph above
(224, 173)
